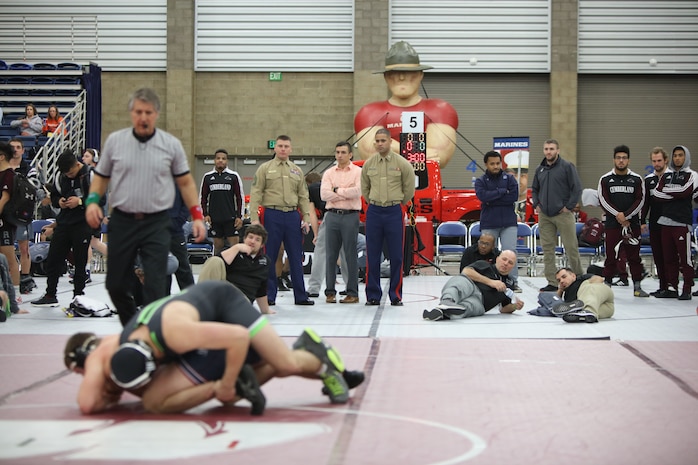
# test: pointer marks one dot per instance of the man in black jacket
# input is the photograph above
(556, 190)
(68, 192)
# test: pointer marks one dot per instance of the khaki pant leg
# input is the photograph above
(213, 270)
(597, 298)
(548, 241)
(568, 236)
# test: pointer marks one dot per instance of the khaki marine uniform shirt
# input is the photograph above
(388, 180)
(279, 185)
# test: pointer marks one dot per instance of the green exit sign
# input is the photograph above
(275, 76)
(271, 143)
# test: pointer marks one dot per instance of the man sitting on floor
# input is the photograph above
(483, 249)
(244, 265)
(586, 298)
(479, 288)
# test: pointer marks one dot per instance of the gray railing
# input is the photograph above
(71, 135)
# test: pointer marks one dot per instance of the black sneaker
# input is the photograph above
(517, 289)
(248, 388)
(548, 288)
(45, 301)
(685, 296)
(435, 314)
(563, 308)
(621, 282)
(580, 317)
(666, 294)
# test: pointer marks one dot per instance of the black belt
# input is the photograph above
(138, 216)
(340, 211)
(387, 204)
(282, 209)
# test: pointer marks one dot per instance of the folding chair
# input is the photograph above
(456, 234)
(524, 245)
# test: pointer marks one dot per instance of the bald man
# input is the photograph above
(479, 288)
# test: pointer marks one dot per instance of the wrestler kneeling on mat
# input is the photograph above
(186, 349)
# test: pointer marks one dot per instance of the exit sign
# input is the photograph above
(271, 143)
(275, 76)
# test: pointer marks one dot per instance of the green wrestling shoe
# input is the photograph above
(332, 378)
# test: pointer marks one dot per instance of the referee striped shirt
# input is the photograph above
(141, 173)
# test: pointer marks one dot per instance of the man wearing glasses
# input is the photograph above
(622, 195)
(483, 249)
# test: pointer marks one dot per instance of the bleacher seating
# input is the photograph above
(42, 84)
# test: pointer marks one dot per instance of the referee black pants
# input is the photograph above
(148, 237)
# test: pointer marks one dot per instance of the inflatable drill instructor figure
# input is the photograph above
(403, 73)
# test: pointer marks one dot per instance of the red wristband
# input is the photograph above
(196, 213)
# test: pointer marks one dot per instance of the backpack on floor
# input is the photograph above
(592, 233)
(82, 306)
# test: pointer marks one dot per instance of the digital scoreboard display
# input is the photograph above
(413, 146)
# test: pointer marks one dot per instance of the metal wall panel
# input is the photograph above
(638, 37)
(475, 36)
(488, 106)
(279, 35)
(639, 111)
(120, 35)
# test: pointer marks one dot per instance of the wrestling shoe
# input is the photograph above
(353, 378)
(247, 387)
(563, 308)
(332, 378)
(583, 316)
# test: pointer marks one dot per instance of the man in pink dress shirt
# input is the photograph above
(341, 190)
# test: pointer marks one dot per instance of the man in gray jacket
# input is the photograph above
(556, 190)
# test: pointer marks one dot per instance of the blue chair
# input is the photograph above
(45, 66)
(69, 66)
(43, 80)
(524, 246)
(21, 80)
(456, 233)
(21, 66)
(67, 81)
(36, 227)
(474, 233)
(41, 92)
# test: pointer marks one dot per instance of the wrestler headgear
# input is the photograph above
(78, 356)
(132, 365)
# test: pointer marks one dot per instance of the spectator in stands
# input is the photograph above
(53, 121)
(483, 249)
(30, 124)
